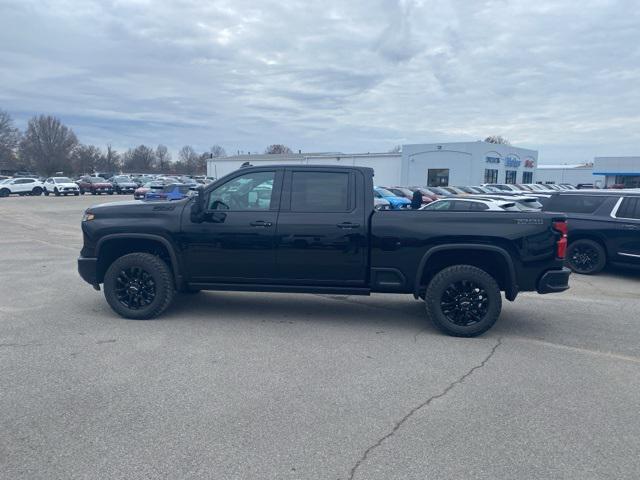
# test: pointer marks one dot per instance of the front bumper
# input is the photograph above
(554, 281)
(87, 268)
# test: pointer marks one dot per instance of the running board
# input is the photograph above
(256, 287)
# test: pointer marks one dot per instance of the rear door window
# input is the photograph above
(575, 203)
(629, 208)
(320, 192)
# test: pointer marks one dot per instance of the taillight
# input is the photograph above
(561, 245)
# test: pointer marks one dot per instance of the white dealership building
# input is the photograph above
(433, 164)
(622, 171)
(570, 173)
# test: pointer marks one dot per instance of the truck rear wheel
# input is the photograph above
(138, 286)
(463, 301)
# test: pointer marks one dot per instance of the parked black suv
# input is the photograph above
(604, 227)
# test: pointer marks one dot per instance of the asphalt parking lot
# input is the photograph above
(251, 385)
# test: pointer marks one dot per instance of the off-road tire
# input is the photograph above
(159, 272)
(449, 276)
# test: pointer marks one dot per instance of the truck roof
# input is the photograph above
(364, 170)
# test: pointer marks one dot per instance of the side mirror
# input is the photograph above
(198, 207)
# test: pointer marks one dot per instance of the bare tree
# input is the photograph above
(163, 158)
(9, 140)
(47, 145)
(277, 149)
(86, 159)
(497, 139)
(188, 159)
(396, 149)
(110, 161)
(218, 151)
(141, 159)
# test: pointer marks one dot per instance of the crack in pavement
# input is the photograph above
(20, 344)
(414, 410)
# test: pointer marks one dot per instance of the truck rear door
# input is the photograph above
(322, 228)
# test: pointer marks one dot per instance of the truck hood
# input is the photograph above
(133, 208)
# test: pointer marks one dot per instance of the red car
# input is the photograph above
(94, 185)
(140, 192)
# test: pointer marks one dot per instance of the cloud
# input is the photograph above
(362, 75)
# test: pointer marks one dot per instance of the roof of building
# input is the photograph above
(299, 156)
(562, 167)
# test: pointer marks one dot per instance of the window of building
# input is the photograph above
(510, 176)
(629, 208)
(320, 192)
(438, 177)
(628, 181)
(490, 176)
(527, 177)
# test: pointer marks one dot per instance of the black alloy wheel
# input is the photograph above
(586, 257)
(139, 286)
(135, 288)
(463, 300)
(4, 192)
(464, 303)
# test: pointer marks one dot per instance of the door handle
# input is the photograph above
(260, 223)
(348, 225)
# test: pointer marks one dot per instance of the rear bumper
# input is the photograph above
(87, 268)
(554, 281)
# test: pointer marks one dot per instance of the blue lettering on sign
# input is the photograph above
(512, 161)
(493, 160)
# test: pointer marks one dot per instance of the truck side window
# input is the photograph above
(251, 191)
(320, 192)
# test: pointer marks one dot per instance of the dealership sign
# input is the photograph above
(493, 160)
(512, 161)
(529, 163)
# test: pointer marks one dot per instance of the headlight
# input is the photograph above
(88, 216)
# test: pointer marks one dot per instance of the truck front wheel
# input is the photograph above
(463, 301)
(138, 286)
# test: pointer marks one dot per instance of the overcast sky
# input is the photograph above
(562, 77)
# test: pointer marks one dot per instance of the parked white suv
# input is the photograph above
(61, 186)
(21, 186)
(466, 204)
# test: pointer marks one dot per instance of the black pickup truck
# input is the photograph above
(313, 229)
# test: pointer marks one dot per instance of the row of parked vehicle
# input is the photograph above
(157, 186)
(492, 197)
(603, 225)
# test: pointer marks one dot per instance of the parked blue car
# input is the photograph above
(394, 201)
(173, 191)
